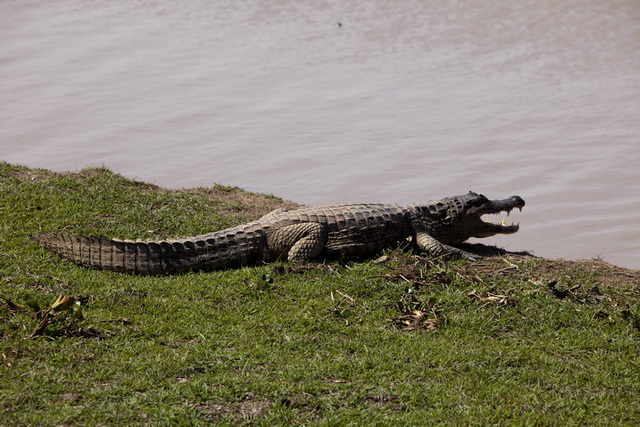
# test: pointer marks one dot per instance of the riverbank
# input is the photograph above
(509, 339)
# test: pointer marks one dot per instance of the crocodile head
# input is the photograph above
(456, 219)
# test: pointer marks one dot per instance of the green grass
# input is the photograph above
(299, 345)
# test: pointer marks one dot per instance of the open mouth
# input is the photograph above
(497, 207)
(504, 227)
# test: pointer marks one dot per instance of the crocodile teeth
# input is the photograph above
(503, 222)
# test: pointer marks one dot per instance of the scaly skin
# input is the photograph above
(349, 230)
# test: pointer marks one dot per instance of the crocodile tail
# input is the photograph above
(126, 256)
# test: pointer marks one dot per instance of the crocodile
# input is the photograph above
(325, 232)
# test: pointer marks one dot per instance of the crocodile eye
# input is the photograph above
(479, 201)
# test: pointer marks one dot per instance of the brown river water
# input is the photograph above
(344, 101)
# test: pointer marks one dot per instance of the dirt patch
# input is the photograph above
(582, 279)
(512, 265)
(500, 280)
(250, 406)
(23, 173)
(234, 200)
(606, 273)
(228, 200)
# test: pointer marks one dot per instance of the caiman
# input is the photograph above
(326, 232)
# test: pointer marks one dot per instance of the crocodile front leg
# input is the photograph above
(301, 242)
(433, 247)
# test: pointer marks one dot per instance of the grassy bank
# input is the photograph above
(398, 341)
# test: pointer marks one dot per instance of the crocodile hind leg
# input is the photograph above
(301, 242)
(273, 213)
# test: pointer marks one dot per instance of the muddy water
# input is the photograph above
(331, 101)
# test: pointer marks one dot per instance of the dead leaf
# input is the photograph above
(491, 298)
(418, 319)
(560, 294)
(15, 308)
